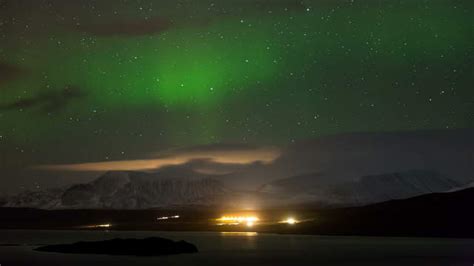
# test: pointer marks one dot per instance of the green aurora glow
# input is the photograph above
(234, 73)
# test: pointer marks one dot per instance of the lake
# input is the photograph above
(243, 249)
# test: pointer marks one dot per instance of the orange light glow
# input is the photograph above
(263, 154)
(249, 221)
(289, 220)
(245, 234)
(97, 226)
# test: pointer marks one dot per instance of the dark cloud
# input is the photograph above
(9, 72)
(47, 102)
(128, 28)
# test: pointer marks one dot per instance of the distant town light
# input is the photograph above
(238, 220)
(103, 225)
(289, 220)
(96, 226)
(168, 217)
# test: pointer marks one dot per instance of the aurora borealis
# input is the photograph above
(92, 81)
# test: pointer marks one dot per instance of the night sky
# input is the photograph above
(94, 81)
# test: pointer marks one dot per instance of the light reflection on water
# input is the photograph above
(246, 234)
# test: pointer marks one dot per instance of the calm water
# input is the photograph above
(245, 249)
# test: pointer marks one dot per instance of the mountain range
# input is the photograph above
(343, 170)
(366, 190)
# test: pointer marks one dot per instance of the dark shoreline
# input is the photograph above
(433, 215)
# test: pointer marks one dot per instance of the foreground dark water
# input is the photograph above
(244, 249)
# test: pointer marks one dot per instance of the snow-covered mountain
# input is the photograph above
(365, 190)
(347, 169)
(131, 190)
(176, 188)
(43, 199)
